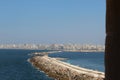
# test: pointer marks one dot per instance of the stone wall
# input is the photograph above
(64, 71)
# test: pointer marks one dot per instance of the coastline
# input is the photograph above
(55, 50)
(64, 71)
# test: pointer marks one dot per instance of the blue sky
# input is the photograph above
(52, 21)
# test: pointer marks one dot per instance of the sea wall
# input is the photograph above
(64, 71)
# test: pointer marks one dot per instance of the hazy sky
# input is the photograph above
(52, 21)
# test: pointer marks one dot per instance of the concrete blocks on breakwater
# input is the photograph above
(64, 71)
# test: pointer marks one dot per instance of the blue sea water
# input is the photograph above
(90, 60)
(14, 64)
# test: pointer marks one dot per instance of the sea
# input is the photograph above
(14, 64)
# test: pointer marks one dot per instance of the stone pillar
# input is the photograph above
(112, 49)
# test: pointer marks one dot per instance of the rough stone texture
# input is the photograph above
(64, 71)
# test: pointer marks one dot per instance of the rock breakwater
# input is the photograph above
(64, 71)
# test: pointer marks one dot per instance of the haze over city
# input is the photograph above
(52, 21)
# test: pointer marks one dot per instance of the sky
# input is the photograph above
(52, 21)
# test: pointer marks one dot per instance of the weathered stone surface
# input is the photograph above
(64, 71)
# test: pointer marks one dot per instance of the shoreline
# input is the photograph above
(64, 71)
(53, 50)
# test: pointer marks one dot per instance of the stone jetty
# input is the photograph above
(64, 71)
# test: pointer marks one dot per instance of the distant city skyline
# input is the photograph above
(61, 47)
(52, 21)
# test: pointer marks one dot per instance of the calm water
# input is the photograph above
(14, 65)
(91, 60)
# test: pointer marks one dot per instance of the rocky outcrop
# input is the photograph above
(64, 71)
